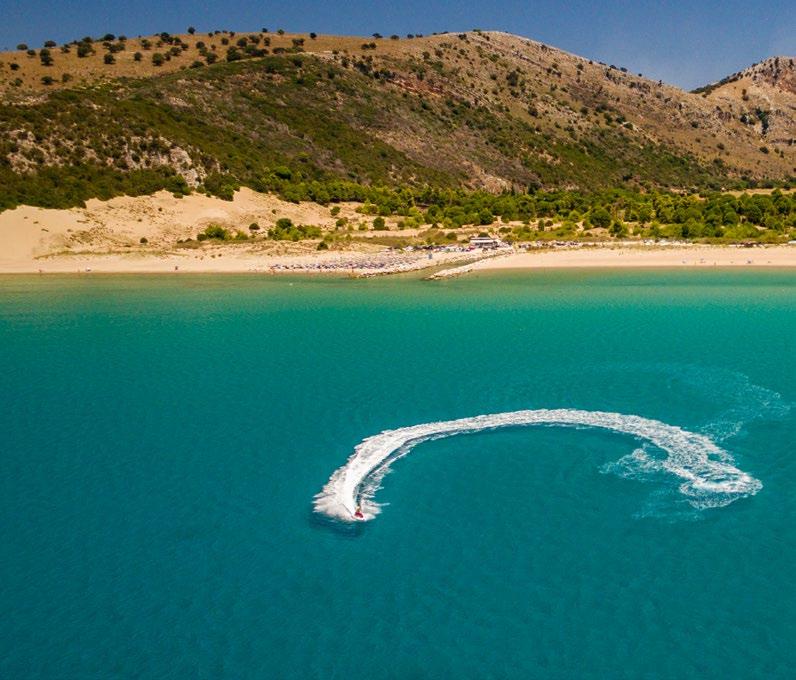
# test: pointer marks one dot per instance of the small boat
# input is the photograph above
(358, 512)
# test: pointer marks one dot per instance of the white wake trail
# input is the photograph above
(708, 476)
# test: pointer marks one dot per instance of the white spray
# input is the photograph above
(708, 477)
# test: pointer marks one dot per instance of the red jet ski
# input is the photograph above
(358, 512)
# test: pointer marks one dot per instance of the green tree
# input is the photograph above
(599, 217)
(618, 229)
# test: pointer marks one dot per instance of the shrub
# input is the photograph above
(109, 59)
(143, 240)
(46, 57)
(283, 172)
(214, 231)
(599, 217)
(22, 47)
(379, 224)
(254, 226)
(158, 59)
(618, 228)
(50, 43)
(222, 186)
(84, 49)
(191, 30)
(138, 56)
(47, 80)
(285, 230)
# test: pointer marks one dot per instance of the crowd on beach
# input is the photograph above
(388, 262)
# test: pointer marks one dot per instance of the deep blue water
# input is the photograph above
(162, 439)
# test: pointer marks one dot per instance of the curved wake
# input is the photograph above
(708, 477)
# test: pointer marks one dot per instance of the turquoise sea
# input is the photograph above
(162, 441)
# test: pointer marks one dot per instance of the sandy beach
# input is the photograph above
(225, 262)
(699, 256)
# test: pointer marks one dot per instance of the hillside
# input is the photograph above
(301, 114)
(762, 97)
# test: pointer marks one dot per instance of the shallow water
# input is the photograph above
(163, 439)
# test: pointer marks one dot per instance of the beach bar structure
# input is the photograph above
(485, 242)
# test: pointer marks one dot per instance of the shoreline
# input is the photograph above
(445, 265)
(695, 256)
(346, 263)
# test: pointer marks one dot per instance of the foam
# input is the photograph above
(706, 473)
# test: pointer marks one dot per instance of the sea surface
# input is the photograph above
(163, 439)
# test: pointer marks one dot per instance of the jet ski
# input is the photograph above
(358, 512)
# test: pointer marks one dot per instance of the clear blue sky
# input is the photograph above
(684, 43)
